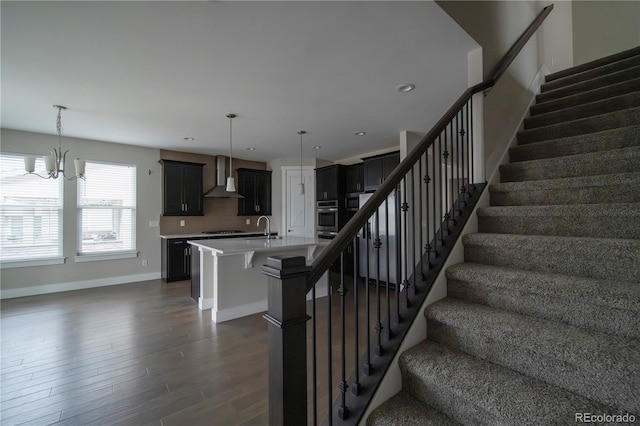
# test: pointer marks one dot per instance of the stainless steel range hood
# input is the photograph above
(220, 191)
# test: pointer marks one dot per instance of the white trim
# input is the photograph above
(77, 285)
(8, 264)
(238, 311)
(91, 257)
(205, 303)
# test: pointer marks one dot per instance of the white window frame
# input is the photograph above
(106, 254)
(35, 180)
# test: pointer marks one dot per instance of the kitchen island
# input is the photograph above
(232, 284)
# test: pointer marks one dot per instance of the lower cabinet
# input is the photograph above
(176, 259)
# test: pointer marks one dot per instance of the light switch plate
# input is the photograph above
(153, 224)
(181, 222)
(248, 222)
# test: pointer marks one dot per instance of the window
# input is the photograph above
(30, 213)
(107, 209)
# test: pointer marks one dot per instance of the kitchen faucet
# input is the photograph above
(267, 230)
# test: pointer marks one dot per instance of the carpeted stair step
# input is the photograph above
(595, 83)
(617, 103)
(599, 258)
(600, 141)
(403, 409)
(477, 392)
(595, 365)
(600, 71)
(586, 97)
(593, 64)
(597, 123)
(574, 220)
(623, 160)
(604, 305)
(615, 188)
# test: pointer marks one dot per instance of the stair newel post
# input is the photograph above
(287, 339)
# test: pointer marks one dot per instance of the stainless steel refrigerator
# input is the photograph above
(382, 227)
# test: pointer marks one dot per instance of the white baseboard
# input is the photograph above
(76, 285)
(238, 311)
(205, 303)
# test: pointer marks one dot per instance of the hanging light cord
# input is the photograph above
(230, 144)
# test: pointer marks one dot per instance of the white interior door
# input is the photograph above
(298, 210)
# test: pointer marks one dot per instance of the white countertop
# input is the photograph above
(255, 244)
(203, 235)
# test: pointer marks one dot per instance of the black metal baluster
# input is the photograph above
(414, 288)
(367, 368)
(388, 260)
(398, 236)
(343, 411)
(355, 386)
(314, 356)
(420, 217)
(473, 179)
(454, 191)
(427, 180)
(405, 209)
(329, 355)
(376, 246)
(436, 190)
(469, 159)
(463, 168)
(445, 155)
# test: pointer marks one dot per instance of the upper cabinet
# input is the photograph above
(255, 186)
(329, 182)
(355, 178)
(182, 188)
(376, 169)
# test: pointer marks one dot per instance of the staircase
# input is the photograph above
(542, 320)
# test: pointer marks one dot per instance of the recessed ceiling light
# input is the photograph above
(251, 149)
(189, 139)
(404, 88)
(360, 133)
(316, 147)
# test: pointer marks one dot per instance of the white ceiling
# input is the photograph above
(152, 73)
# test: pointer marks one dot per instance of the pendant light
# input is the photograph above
(56, 163)
(231, 183)
(301, 184)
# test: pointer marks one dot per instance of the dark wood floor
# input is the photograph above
(136, 354)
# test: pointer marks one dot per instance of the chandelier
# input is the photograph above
(56, 162)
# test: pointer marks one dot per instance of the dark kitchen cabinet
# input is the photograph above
(329, 182)
(376, 169)
(182, 188)
(176, 259)
(354, 178)
(255, 186)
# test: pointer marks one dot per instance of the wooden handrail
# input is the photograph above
(351, 229)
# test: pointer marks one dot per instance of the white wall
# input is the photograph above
(71, 275)
(602, 28)
(496, 25)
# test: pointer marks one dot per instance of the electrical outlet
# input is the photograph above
(144, 262)
(182, 223)
(248, 222)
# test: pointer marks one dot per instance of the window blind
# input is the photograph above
(106, 208)
(30, 210)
